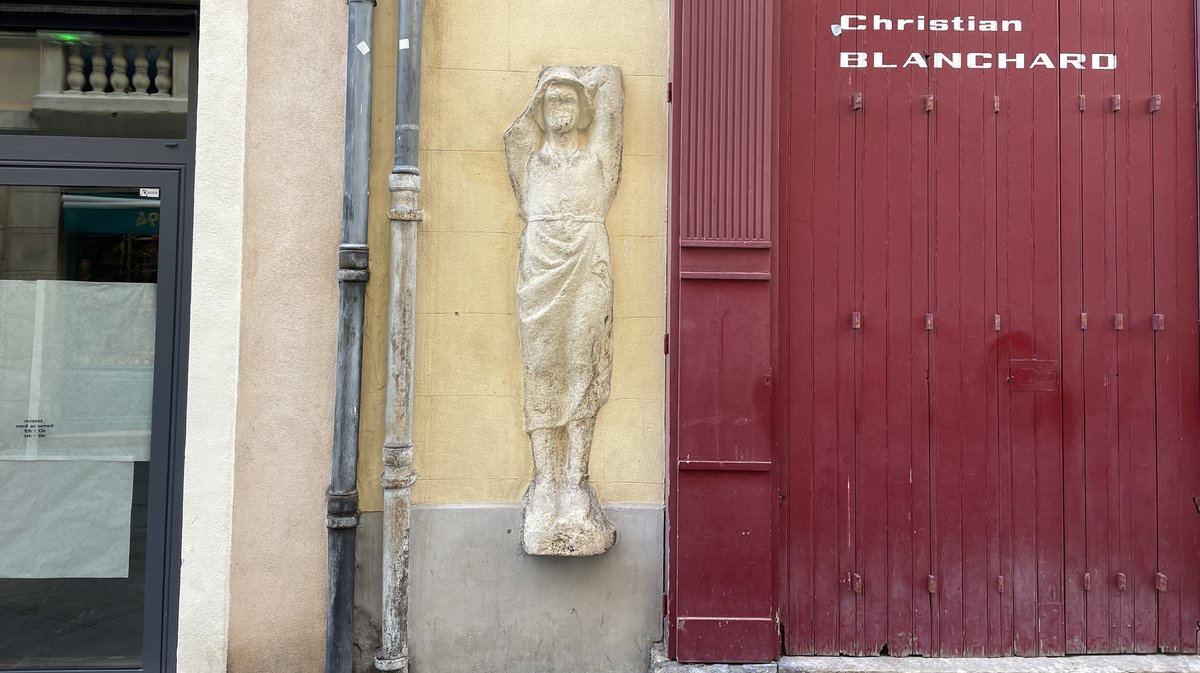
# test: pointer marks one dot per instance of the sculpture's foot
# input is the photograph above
(540, 512)
(579, 529)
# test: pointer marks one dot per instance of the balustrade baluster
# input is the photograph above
(162, 78)
(99, 78)
(141, 73)
(120, 71)
(75, 78)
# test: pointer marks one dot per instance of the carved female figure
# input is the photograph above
(564, 161)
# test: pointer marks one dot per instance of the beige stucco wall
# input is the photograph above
(293, 179)
(481, 60)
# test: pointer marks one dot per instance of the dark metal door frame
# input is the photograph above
(167, 165)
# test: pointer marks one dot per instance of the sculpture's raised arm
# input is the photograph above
(608, 124)
(521, 140)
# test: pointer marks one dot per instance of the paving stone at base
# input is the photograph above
(1140, 663)
(1163, 663)
(659, 663)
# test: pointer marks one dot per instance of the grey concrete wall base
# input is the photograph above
(480, 604)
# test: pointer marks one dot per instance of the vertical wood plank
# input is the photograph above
(1047, 344)
(974, 317)
(873, 355)
(1134, 259)
(1012, 96)
(947, 373)
(798, 153)
(1018, 233)
(998, 641)
(831, 315)
(1150, 606)
(1187, 334)
(847, 274)
(1098, 344)
(1077, 171)
(1174, 165)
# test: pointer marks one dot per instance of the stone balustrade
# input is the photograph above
(114, 76)
(119, 68)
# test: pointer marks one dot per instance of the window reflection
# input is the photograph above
(78, 280)
(86, 83)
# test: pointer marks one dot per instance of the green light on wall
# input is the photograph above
(59, 37)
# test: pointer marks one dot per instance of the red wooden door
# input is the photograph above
(989, 423)
(956, 383)
(723, 502)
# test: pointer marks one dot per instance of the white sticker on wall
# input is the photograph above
(404, 44)
(363, 48)
(836, 28)
(148, 192)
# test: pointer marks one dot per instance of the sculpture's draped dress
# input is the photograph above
(564, 289)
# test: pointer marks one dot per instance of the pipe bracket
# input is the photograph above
(394, 482)
(353, 257)
(406, 215)
(341, 522)
(353, 276)
(353, 263)
(341, 504)
(397, 664)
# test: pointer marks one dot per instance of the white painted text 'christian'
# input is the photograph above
(961, 24)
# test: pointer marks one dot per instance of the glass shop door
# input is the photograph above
(88, 313)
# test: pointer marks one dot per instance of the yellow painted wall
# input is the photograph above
(20, 70)
(481, 61)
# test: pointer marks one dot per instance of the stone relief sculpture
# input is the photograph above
(564, 161)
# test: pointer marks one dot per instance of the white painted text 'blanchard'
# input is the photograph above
(981, 61)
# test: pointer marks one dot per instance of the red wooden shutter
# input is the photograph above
(723, 507)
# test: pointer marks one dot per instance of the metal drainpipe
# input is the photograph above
(342, 498)
(405, 217)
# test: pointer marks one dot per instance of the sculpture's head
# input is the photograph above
(563, 104)
(560, 105)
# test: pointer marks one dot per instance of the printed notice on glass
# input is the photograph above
(76, 380)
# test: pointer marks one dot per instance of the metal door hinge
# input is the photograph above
(1087, 581)
(1160, 582)
(996, 104)
(929, 103)
(856, 320)
(928, 322)
(1116, 103)
(1000, 584)
(1082, 321)
(1158, 322)
(1122, 582)
(856, 583)
(996, 324)
(1082, 103)
(1119, 322)
(933, 584)
(1156, 103)
(856, 102)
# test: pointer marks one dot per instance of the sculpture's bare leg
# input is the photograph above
(579, 449)
(547, 467)
(541, 507)
(579, 504)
